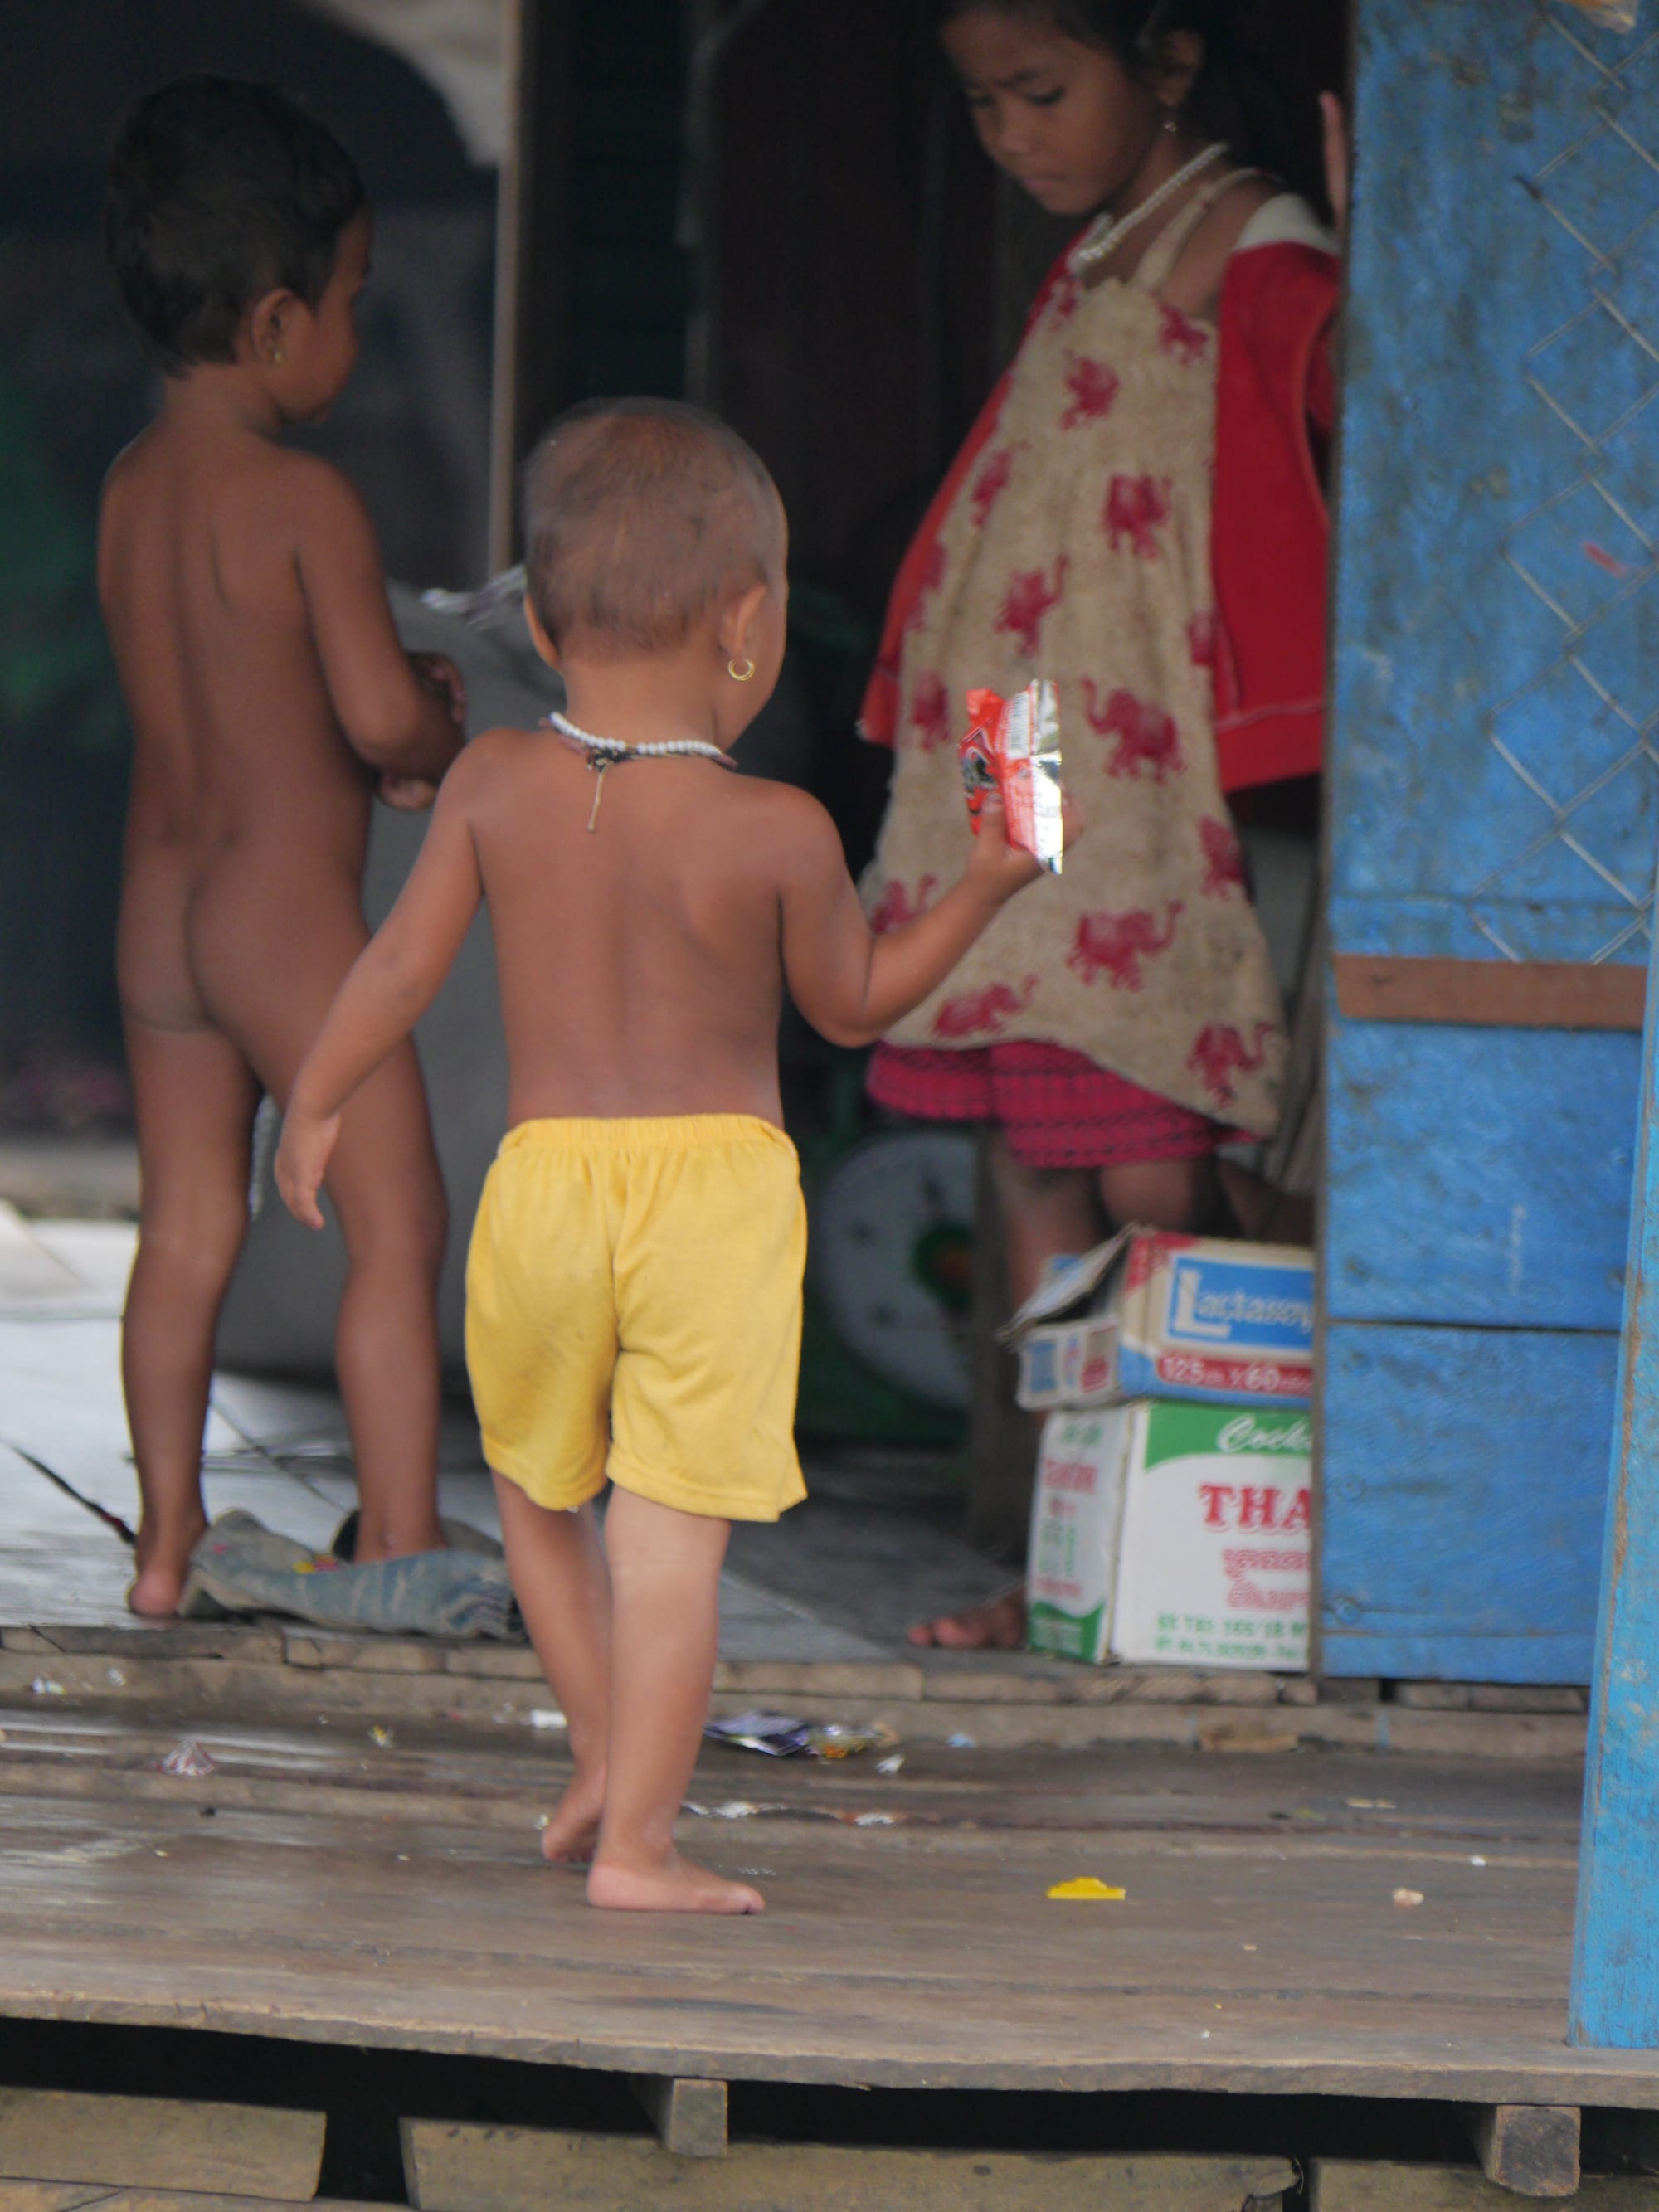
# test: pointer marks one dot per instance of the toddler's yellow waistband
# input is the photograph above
(643, 1132)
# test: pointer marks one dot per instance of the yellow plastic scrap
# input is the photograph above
(1087, 1886)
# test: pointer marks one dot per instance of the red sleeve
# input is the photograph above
(1275, 395)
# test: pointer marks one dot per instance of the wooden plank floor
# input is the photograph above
(321, 1886)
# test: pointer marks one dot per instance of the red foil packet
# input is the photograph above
(1012, 746)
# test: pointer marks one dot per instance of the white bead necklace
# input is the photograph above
(1107, 232)
(604, 753)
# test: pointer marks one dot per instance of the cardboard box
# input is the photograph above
(1150, 1314)
(1173, 1533)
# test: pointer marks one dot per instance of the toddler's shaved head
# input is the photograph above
(640, 517)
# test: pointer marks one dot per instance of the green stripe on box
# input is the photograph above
(1176, 1429)
(1066, 1635)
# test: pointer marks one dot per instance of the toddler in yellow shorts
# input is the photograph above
(635, 1280)
(633, 1312)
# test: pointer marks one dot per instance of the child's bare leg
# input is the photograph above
(386, 1189)
(560, 1579)
(1174, 1194)
(1045, 1211)
(195, 1099)
(384, 1183)
(664, 1585)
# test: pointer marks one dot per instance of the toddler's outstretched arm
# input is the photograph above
(853, 985)
(390, 986)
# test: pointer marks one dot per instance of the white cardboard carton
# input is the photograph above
(1077, 1515)
(1150, 1315)
(1173, 1533)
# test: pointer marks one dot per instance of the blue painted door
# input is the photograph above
(1493, 796)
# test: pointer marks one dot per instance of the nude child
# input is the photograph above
(269, 699)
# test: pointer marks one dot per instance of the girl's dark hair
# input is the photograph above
(1236, 97)
(219, 192)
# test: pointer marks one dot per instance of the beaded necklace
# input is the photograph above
(1108, 232)
(605, 753)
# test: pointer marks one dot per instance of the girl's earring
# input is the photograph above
(1172, 120)
(740, 674)
(277, 358)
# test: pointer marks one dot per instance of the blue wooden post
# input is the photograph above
(1615, 1965)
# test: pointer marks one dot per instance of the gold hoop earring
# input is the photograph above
(740, 674)
(277, 358)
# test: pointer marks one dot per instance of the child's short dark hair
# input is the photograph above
(639, 515)
(219, 192)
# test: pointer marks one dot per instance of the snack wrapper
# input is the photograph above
(780, 1735)
(1012, 746)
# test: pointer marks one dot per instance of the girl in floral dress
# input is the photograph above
(1138, 515)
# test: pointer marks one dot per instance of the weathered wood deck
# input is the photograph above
(344, 1891)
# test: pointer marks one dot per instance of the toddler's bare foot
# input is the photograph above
(569, 1837)
(675, 1885)
(999, 1625)
(163, 1562)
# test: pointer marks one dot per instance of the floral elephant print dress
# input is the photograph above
(1078, 549)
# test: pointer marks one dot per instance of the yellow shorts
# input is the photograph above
(633, 1312)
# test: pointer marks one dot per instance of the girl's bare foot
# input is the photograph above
(163, 1562)
(570, 1835)
(999, 1625)
(674, 1885)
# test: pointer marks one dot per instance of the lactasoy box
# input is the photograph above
(1150, 1315)
(1173, 1533)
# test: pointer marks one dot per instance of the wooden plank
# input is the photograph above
(1258, 1950)
(51, 2196)
(1478, 1177)
(1464, 1479)
(1615, 1968)
(689, 2115)
(162, 2142)
(79, 2197)
(1529, 2150)
(479, 2169)
(1350, 2185)
(1528, 994)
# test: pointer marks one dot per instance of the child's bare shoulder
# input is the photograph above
(787, 831)
(489, 766)
(311, 491)
(784, 809)
(496, 752)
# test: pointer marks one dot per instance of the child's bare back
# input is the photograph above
(633, 1280)
(641, 960)
(267, 693)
